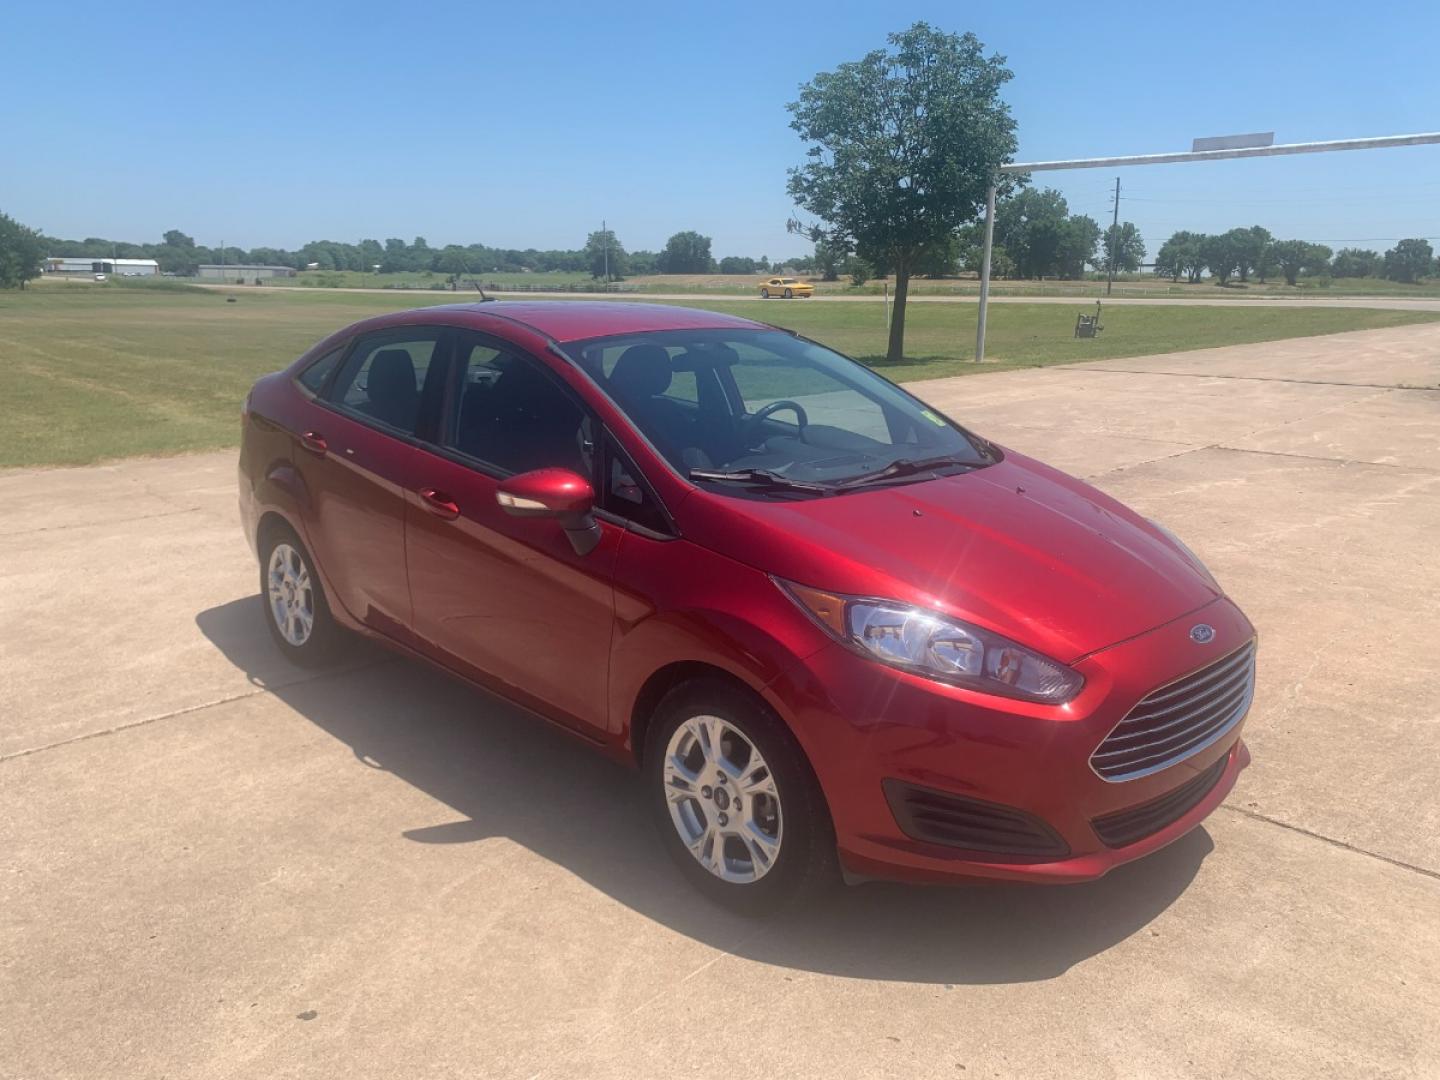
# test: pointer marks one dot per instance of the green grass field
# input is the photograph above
(89, 373)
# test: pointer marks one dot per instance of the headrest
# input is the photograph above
(641, 371)
(392, 375)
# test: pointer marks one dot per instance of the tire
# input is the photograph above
(753, 806)
(788, 294)
(291, 593)
(764, 294)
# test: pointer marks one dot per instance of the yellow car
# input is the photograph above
(785, 287)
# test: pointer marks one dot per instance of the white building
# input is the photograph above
(242, 271)
(87, 264)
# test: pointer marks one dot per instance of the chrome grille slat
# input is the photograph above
(1210, 707)
(1212, 688)
(1179, 719)
(1183, 687)
(1196, 742)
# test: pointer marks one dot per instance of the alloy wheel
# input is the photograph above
(292, 597)
(723, 800)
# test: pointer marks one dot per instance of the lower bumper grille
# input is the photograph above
(1127, 826)
(937, 817)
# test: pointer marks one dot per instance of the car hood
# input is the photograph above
(1017, 547)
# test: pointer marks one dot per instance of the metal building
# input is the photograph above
(98, 264)
(245, 271)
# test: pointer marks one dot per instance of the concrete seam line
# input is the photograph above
(1076, 369)
(1400, 863)
(97, 524)
(118, 728)
(1330, 460)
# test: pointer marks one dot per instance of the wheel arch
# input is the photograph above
(667, 678)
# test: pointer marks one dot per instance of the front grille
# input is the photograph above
(938, 817)
(1136, 823)
(1179, 719)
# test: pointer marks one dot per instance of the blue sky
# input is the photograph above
(520, 125)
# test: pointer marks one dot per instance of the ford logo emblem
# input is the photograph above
(1202, 634)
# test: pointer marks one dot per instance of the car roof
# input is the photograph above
(573, 320)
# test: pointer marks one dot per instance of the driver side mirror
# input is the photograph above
(560, 494)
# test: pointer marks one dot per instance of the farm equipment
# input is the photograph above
(1087, 326)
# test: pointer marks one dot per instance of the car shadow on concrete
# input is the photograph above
(506, 773)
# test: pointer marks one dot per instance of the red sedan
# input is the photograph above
(836, 632)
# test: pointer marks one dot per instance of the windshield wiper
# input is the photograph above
(906, 467)
(759, 478)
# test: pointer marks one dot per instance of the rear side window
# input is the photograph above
(385, 374)
(314, 377)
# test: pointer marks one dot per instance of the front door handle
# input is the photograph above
(439, 504)
(314, 442)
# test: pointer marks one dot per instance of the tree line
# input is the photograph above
(686, 252)
(1241, 252)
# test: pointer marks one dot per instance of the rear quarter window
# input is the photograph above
(317, 374)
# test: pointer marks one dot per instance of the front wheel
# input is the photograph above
(764, 294)
(735, 801)
(295, 610)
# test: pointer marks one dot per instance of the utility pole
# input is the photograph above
(605, 239)
(985, 270)
(1114, 239)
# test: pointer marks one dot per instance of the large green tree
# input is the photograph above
(1356, 262)
(1036, 229)
(1181, 256)
(1294, 257)
(1220, 255)
(1408, 261)
(687, 253)
(1125, 246)
(1250, 247)
(902, 145)
(742, 264)
(21, 253)
(605, 255)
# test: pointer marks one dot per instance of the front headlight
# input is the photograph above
(939, 647)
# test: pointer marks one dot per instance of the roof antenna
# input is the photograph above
(483, 298)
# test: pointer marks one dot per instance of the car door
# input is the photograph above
(504, 600)
(356, 460)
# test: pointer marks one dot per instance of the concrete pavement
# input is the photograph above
(216, 865)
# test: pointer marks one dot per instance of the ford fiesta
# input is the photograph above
(836, 632)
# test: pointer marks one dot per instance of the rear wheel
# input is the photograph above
(295, 608)
(788, 294)
(735, 801)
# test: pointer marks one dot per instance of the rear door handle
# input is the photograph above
(439, 504)
(314, 442)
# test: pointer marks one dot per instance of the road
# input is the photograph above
(1384, 303)
(218, 865)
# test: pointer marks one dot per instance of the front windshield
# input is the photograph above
(737, 401)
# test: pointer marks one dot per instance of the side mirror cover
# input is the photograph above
(560, 494)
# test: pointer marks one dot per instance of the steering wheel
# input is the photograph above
(753, 421)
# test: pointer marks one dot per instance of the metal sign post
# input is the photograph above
(1228, 150)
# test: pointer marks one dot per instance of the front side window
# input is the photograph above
(512, 416)
(384, 375)
(752, 402)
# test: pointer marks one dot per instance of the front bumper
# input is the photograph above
(897, 730)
